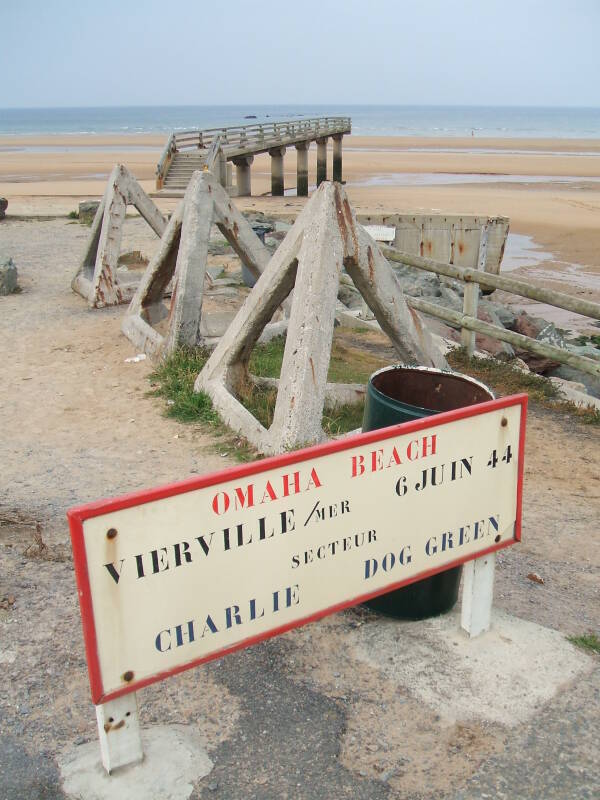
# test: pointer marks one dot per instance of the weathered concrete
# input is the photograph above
(337, 158)
(336, 394)
(119, 732)
(321, 160)
(502, 676)
(277, 179)
(182, 255)
(243, 175)
(87, 211)
(302, 169)
(324, 239)
(96, 276)
(187, 151)
(175, 759)
(8, 277)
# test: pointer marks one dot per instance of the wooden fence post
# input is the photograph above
(471, 297)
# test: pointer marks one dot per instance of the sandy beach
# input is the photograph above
(548, 188)
(336, 700)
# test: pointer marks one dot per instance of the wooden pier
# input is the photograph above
(219, 149)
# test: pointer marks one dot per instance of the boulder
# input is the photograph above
(591, 382)
(587, 350)
(501, 350)
(87, 211)
(529, 326)
(542, 331)
(350, 296)
(450, 298)
(3, 207)
(506, 316)
(8, 277)
(551, 335)
(562, 384)
(416, 282)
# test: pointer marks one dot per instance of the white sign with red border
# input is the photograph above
(175, 576)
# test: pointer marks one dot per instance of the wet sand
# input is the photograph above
(558, 208)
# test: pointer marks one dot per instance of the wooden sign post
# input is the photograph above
(176, 576)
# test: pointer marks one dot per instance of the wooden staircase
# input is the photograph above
(181, 168)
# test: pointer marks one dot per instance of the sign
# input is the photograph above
(171, 577)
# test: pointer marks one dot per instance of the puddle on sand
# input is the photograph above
(571, 274)
(451, 178)
(522, 252)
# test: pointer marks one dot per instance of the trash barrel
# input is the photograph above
(399, 394)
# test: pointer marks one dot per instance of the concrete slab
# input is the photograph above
(503, 676)
(174, 760)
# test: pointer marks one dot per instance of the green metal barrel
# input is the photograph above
(399, 394)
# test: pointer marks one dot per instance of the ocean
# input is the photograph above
(441, 121)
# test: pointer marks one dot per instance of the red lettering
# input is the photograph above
(409, 451)
(224, 502)
(313, 480)
(286, 484)
(431, 442)
(269, 493)
(376, 460)
(243, 499)
(358, 466)
(395, 458)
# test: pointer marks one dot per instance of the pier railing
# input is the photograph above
(238, 140)
(166, 158)
(470, 325)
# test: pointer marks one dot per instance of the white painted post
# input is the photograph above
(478, 593)
(119, 732)
(471, 297)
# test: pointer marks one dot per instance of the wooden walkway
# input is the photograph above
(212, 149)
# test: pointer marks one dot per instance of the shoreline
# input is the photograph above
(383, 142)
(382, 174)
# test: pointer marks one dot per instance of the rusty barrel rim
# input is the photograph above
(480, 392)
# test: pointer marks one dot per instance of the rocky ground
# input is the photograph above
(300, 716)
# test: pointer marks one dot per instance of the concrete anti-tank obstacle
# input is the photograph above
(96, 276)
(324, 240)
(182, 255)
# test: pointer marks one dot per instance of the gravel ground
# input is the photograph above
(78, 425)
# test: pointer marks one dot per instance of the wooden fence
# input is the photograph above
(470, 325)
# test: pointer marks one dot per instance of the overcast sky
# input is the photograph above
(119, 52)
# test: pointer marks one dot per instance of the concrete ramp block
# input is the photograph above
(175, 759)
(324, 240)
(96, 276)
(182, 258)
(502, 676)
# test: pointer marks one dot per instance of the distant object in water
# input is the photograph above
(250, 116)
